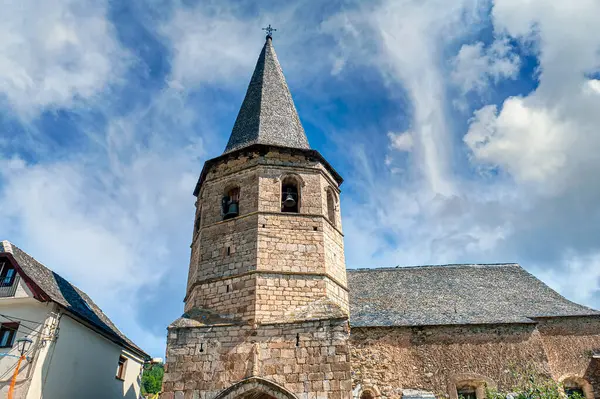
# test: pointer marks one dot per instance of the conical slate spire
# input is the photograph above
(268, 114)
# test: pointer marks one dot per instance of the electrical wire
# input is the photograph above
(20, 319)
(29, 334)
(15, 319)
(31, 330)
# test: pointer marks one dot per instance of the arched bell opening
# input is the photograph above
(290, 195)
(230, 203)
(331, 206)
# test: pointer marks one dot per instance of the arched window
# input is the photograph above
(331, 201)
(576, 387)
(290, 195)
(469, 386)
(230, 204)
(197, 223)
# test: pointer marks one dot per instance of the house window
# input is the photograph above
(7, 276)
(7, 334)
(121, 367)
(230, 204)
(331, 200)
(290, 196)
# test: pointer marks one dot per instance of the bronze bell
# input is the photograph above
(289, 201)
(232, 210)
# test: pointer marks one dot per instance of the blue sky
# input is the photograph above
(466, 131)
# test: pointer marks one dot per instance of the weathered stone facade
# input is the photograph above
(267, 292)
(439, 359)
(267, 310)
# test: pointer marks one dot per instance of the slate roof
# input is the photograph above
(59, 290)
(267, 115)
(452, 295)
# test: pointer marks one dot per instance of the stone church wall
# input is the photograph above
(232, 297)
(569, 344)
(291, 243)
(438, 358)
(228, 248)
(335, 262)
(310, 359)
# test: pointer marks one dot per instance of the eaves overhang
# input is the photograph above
(263, 149)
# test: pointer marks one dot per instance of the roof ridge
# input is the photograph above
(448, 265)
(37, 272)
(43, 265)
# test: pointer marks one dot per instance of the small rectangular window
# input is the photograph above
(7, 277)
(121, 367)
(8, 331)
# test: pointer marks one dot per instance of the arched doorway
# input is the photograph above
(255, 388)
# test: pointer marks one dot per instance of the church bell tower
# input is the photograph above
(266, 305)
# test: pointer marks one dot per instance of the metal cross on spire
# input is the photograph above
(269, 30)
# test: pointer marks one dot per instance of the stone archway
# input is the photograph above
(575, 381)
(255, 388)
(475, 383)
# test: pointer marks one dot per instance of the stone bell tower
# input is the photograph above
(266, 307)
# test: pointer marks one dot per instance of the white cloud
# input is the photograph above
(406, 40)
(56, 52)
(530, 143)
(594, 86)
(578, 278)
(537, 202)
(210, 44)
(401, 141)
(110, 219)
(549, 136)
(475, 66)
(216, 43)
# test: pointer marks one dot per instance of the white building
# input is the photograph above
(77, 352)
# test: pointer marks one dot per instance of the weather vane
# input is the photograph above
(269, 30)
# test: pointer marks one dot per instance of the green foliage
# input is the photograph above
(152, 379)
(534, 387)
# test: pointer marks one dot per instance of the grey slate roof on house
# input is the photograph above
(268, 114)
(67, 295)
(451, 295)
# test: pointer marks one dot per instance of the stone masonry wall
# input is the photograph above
(569, 344)
(267, 292)
(435, 358)
(290, 243)
(309, 359)
(264, 239)
(284, 297)
(228, 248)
(232, 297)
(335, 261)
